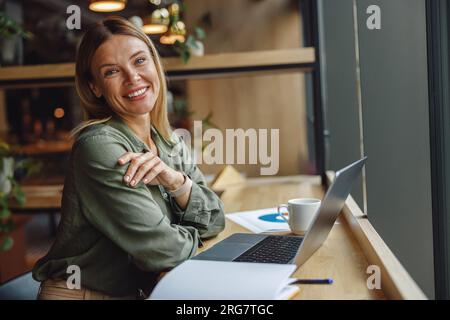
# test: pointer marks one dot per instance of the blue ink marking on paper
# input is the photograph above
(271, 217)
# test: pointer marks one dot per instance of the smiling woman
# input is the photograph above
(129, 209)
(118, 52)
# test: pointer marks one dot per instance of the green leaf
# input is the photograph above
(30, 166)
(17, 192)
(4, 212)
(4, 146)
(7, 226)
(186, 55)
(200, 33)
(19, 195)
(9, 27)
(6, 243)
(175, 19)
(190, 42)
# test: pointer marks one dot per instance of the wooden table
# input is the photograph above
(341, 257)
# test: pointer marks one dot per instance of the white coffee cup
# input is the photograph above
(301, 213)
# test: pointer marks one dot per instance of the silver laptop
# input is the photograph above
(263, 248)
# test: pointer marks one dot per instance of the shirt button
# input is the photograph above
(166, 196)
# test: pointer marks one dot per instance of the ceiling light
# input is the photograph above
(157, 22)
(107, 6)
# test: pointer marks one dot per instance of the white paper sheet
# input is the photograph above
(257, 221)
(220, 280)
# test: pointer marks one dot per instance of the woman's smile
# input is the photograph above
(137, 94)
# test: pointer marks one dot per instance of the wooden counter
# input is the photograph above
(342, 256)
(350, 248)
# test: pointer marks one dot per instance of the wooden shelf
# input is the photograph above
(226, 64)
(37, 72)
(214, 65)
(44, 147)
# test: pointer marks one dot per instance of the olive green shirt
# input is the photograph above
(122, 237)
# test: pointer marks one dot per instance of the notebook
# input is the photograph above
(224, 280)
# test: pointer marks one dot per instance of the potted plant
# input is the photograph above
(10, 189)
(193, 46)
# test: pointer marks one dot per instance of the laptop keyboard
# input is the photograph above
(272, 249)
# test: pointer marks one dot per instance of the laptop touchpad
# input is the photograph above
(224, 252)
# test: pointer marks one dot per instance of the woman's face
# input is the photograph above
(125, 74)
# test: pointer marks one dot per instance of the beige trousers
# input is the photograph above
(57, 290)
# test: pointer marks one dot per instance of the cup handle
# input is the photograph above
(280, 213)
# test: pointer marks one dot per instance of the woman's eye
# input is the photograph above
(110, 72)
(140, 60)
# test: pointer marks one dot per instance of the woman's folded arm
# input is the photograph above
(204, 210)
(128, 216)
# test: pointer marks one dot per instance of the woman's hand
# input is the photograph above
(151, 170)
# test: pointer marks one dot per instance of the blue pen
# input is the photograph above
(313, 281)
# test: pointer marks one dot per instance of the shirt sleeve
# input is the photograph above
(129, 217)
(204, 210)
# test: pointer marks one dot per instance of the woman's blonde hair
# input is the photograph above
(96, 109)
